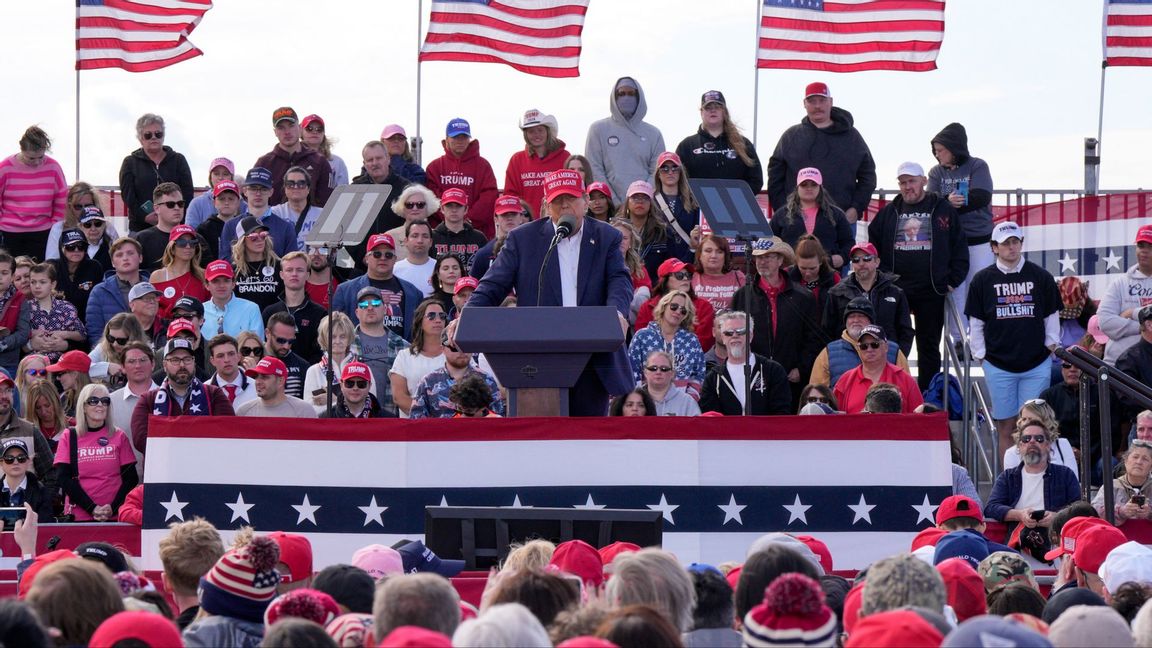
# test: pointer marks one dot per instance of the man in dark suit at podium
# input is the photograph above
(586, 269)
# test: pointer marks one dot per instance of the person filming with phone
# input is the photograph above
(1130, 493)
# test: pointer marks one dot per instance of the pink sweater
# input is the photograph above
(31, 198)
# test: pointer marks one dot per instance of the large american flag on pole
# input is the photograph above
(540, 37)
(137, 36)
(851, 35)
(1128, 33)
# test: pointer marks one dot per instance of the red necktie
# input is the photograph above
(231, 393)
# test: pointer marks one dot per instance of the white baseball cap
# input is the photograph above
(1007, 230)
(910, 168)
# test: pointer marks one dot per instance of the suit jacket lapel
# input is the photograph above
(589, 245)
(551, 295)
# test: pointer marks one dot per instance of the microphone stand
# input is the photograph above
(333, 249)
(749, 271)
(559, 236)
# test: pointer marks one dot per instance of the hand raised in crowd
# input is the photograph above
(26, 531)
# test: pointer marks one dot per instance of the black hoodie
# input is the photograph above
(839, 151)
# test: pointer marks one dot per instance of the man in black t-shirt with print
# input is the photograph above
(1013, 311)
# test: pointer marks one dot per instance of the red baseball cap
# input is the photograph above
(181, 230)
(1144, 234)
(1069, 533)
(1094, 545)
(454, 195)
(219, 268)
(817, 89)
(965, 587)
(309, 119)
(148, 628)
(928, 537)
(5, 379)
(672, 266)
(866, 248)
(581, 559)
(609, 552)
(563, 182)
(295, 550)
(180, 326)
(507, 204)
(820, 549)
(356, 370)
(894, 628)
(668, 156)
(602, 187)
(42, 561)
(955, 506)
(376, 240)
(268, 366)
(465, 282)
(71, 361)
(224, 185)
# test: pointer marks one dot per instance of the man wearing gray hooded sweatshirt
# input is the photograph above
(623, 148)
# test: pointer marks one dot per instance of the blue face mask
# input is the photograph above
(627, 104)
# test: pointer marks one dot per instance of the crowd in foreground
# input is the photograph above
(954, 587)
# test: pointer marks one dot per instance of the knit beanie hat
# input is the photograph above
(793, 614)
(243, 582)
(303, 603)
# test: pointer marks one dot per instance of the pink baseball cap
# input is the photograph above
(222, 162)
(817, 89)
(376, 240)
(640, 187)
(391, 130)
(454, 195)
(379, 561)
(810, 173)
(668, 156)
(1095, 331)
(563, 182)
(507, 204)
(268, 366)
(465, 282)
(181, 230)
(219, 268)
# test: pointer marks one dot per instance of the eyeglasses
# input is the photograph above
(172, 204)
(93, 401)
(435, 315)
(870, 345)
(669, 169)
(187, 243)
(252, 351)
(735, 332)
(182, 360)
(295, 184)
(677, 308)
(818, 399)
(370, 303)
(257, 236)
(415, 205)
(75, 247)
(682, 275)
(356, 383)
(1029, 438)
(285, 341)
(92, 224)
(79, 207)
(659, 368)
(36, 373)
(314, 128)
(112, 339)
(863, 259)
(378, 254)
(152, 135)
(11, 459)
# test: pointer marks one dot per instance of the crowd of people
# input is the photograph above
(216, 305)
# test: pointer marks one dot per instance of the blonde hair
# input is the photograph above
(90, 390)
(44, 389)
(534, 554)
(689, 321)
(240, 259)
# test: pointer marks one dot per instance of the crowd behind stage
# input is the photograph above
(214, 305)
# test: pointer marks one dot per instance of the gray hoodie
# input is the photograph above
(623, 149)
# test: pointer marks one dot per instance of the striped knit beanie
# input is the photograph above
(793, 614)
(243, 582)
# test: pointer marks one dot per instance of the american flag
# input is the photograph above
(1128, 33)
(540, 37)
(865, 486)
(851, 35)
(136, 36)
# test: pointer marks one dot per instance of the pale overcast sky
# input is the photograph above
(1022, 76)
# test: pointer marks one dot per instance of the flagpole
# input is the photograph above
(1103, 73)
(419, 153)
(756, 74)
(77, 176)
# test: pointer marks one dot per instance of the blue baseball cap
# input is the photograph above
(259, 176)
(972, 547)
(418, 558)
(459, 126)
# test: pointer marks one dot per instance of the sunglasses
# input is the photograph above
(285, 341)
(1035, 401)
(314, 128)
(92, 224)
(172, 204)
(870, 345)
(252, 351)
(295, 184)
(112, 339)
(356, 383)
(659, 368)
(36, 373)
(817, 399)
(370, 303)
(75, 247)
(1029, 438)
(669, 169)
(863, 259)
(415, 205)
(93, 401)
(319, 250)
(1065, 365)
(11, 459)
(152, 135)
(378, 254)
(258, 236)
(735, 332)
(434, 315)
(682, 275)
(80, 207)
(186, 243)
(677, 308)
